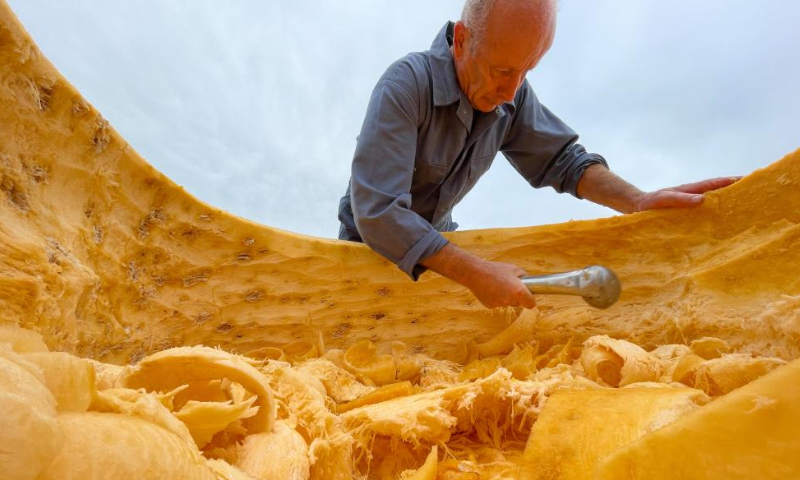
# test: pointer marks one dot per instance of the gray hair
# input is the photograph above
(474, 17)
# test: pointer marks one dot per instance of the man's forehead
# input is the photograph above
(516, 38)
(519, 53)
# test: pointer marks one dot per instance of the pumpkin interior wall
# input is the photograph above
(107, 258)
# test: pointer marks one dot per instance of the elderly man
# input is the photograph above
(435, 122)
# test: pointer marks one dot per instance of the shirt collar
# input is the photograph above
(445, 84)
(446, 89)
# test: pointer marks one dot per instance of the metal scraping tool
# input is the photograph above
(598, 285)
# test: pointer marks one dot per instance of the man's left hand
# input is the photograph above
(682, 196)
(600, 185)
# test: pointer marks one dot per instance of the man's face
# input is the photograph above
(491, 70)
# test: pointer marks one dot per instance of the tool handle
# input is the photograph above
(568, 283)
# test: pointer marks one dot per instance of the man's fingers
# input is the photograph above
(706, 185)
(670, 199)
(525, 297)
(528, 301)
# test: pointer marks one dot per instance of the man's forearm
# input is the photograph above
(454, 263)
(600, 185)
(495, 284)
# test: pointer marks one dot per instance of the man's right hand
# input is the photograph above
(495, 284)
(498, 285)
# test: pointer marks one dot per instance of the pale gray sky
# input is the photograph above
(254, 106)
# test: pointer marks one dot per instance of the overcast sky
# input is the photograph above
(254, 106)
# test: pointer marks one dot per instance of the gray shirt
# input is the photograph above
(422, 148)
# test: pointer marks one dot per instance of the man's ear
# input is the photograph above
(460, 37)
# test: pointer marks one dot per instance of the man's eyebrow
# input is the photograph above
(527, 68)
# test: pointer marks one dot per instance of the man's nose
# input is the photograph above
(509, 94)
(509, 89)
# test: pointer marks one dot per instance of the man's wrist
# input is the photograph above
(635, 201)
(473, 272)
(601, 186)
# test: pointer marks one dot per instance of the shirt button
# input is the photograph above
(498, 111)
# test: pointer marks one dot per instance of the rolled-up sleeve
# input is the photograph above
(383, 168)
(543, 149)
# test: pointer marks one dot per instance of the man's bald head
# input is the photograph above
(533, 19)
(496, 43)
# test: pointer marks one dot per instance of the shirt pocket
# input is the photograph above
(478, 166)
(429, 174)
